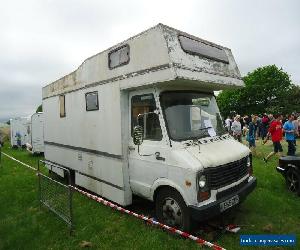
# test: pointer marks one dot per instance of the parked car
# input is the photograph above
(289, 167)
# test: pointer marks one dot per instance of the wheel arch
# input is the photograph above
(292, 165)
(165, 183)
(296, 170)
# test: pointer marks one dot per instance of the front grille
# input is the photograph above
(226, 174)
(231, 190)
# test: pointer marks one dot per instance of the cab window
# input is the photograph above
(142, 113)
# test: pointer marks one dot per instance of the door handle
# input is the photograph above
(158, 157)
(131, 148)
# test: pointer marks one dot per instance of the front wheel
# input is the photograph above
(172, 210)
(293, 180)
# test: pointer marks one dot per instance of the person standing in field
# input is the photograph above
(19, 142)
(245, 128)
(275, 131)
(256, 125)
(284, 119)
(251, 135)
(296, 125)
(259, 126)
(289, 130)
(299, 125)
(264, 125)
(271, 118)
(247, 120)
(228, 122)
(236, 129)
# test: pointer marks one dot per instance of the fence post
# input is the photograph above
(70, 203)
(39, 185)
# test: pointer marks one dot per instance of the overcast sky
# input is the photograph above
(40, 41)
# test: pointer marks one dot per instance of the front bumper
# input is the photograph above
(213, 209)
(281, 170)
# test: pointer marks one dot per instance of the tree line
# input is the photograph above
(267, 89)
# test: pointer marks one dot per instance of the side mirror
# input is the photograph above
(138, 135)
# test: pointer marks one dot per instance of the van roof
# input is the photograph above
(163, 54)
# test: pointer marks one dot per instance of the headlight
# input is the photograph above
(202, 181)
(249, 164)
(248, 161)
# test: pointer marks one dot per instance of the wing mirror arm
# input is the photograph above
(138, 131)
(138, 137)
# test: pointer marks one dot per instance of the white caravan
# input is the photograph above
(19, 131)
(141, 118)
(36, 145)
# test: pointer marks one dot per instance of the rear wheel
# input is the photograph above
(293, 180)
(172, 210)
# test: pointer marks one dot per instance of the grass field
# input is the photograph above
(270, 209)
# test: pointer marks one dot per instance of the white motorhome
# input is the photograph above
(36, 145)
(141, 118)
(19, 131)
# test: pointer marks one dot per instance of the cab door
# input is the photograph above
(147, 162)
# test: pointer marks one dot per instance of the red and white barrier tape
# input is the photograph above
(149, 220)
(121, 209)
(22, 163)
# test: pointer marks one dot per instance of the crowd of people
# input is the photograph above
(265, 127)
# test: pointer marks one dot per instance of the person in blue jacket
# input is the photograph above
(251, 134)
(289, 130)
(19, 141)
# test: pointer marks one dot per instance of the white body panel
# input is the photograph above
(89, 142)
(20, 126)
(98, 145)
(37, 133)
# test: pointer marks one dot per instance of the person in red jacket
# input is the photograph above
(275, 131)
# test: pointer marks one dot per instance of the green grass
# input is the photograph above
(270, 209)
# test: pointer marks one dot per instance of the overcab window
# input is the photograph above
(118, 57)
(202, 49)
(91, 101)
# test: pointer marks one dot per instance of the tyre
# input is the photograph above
(293, 180)
(172, 210)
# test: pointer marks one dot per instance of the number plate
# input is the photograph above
(229, 203)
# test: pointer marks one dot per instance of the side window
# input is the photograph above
(142, 113)
(118, 57)
(91, 101)
(62, 106)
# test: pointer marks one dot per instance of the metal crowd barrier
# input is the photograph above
(55, 195)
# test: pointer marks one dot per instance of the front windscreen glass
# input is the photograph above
(191, 115)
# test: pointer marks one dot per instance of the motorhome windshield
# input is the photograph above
(191, 115)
